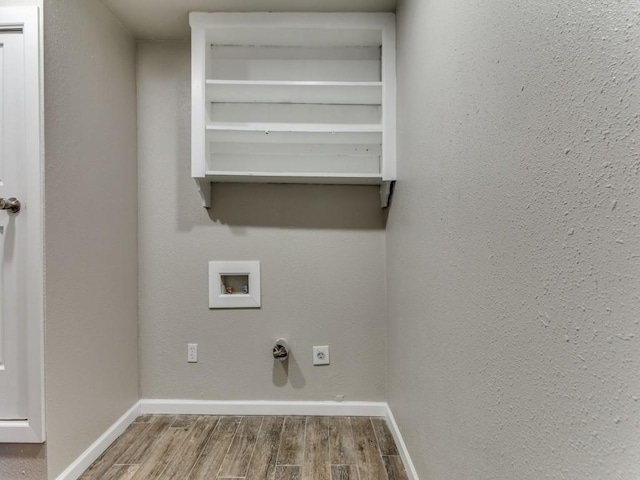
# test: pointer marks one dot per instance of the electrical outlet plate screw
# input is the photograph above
(321, 355)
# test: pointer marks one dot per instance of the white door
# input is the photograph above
(13, 227)
(21, 242)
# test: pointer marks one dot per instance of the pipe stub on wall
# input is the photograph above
(281, 350)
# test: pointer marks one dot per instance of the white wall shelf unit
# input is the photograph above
(293, 98)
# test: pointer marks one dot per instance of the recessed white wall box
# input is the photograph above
(293, 98)
(234, 284)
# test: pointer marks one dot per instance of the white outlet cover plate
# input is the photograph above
(192, 352)
(321, 355)
(217, 270)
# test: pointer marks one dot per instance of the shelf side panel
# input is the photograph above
(198, 110)
(389, 100)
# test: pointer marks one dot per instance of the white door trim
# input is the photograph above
(32, 430)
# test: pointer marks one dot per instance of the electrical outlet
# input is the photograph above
(321, 355)
(192, 352)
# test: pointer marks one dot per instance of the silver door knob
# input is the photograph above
(12, 204)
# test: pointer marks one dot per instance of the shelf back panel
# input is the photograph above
(312, 92)
(303, 36)
(306, 138)
(294, 113)
(347, 64)
(358, 164)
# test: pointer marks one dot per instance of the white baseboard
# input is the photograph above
(402, 447)
(259, 407)
(90, 455)
(205, 407)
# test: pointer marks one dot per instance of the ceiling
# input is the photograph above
(169, 19)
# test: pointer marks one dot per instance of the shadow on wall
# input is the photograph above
(342, 207)
(288, 372)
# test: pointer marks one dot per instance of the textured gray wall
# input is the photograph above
(514, 346)
(91, 348)
(323, 274)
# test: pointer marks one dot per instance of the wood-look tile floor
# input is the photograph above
(252, 448)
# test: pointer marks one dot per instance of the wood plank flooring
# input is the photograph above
(194, 447)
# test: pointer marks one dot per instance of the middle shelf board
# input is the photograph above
(336, 93)
(295, 127)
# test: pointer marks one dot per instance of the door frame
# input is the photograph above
(31, 430)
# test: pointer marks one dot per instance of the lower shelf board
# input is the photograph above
(299, 177)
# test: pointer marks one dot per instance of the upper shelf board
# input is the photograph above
(339, 93)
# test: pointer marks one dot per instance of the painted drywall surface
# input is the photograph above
(91, 355)
(22, 460)
(514, 349)
(322, 262)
